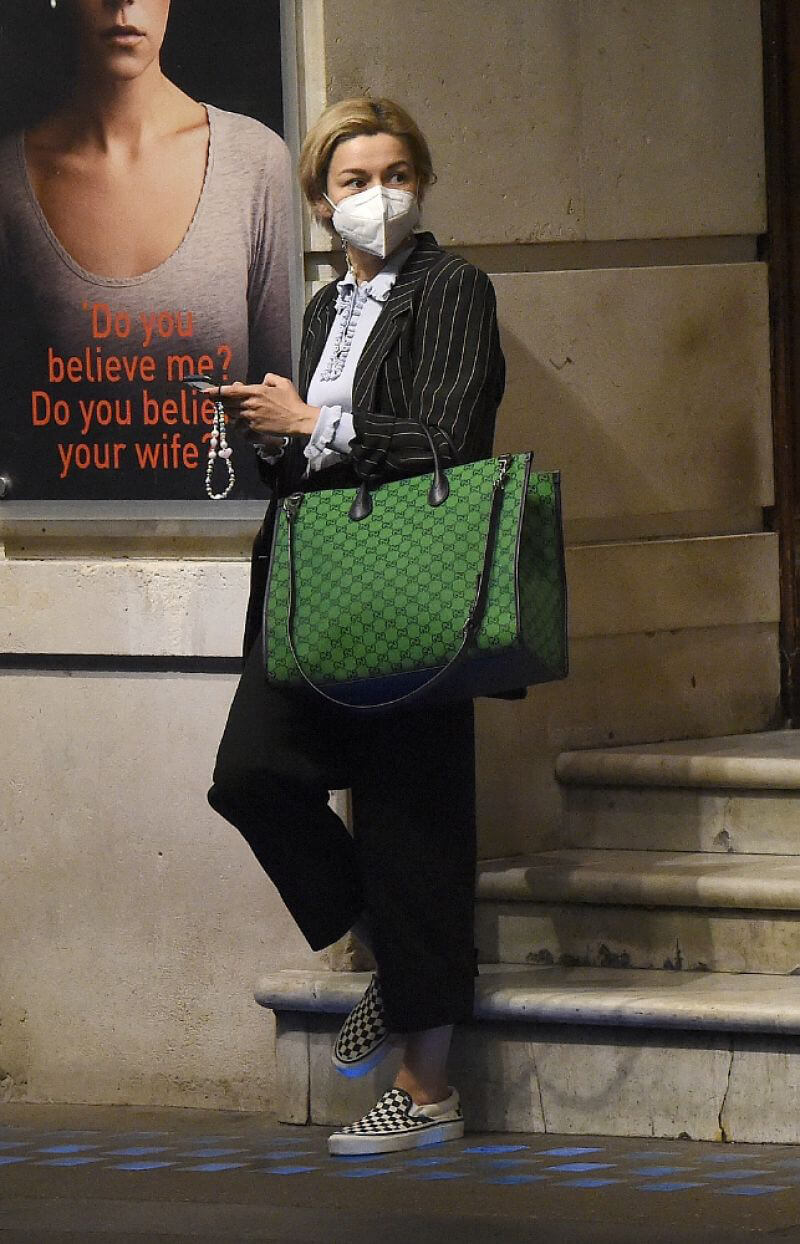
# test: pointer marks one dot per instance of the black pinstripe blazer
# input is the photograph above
(432, 357)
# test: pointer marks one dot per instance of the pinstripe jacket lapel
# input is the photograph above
(389, 325)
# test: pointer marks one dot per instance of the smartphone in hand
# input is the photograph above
(201, 383)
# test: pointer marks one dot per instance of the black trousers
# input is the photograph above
(409, 867)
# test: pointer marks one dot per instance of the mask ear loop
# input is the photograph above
(341, 239)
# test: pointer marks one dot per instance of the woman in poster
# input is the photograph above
(145, 236)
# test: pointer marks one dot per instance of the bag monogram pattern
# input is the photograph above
(391, 594)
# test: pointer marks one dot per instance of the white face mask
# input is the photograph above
(376, 220)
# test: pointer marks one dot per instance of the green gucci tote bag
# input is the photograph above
(447, 589)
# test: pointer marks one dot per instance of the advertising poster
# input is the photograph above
(119, 276)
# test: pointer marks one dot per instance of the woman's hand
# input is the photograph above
(268, 410)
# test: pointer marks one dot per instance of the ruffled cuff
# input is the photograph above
(344, 434)
(329, 443)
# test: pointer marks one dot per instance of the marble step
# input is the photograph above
(642, 909)
(578, 1050)
(712, 1001)
(739, 793)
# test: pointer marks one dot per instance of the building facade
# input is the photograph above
(605, 162)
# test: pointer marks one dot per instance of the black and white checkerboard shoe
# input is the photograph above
(364, 1039)
(395, 1123)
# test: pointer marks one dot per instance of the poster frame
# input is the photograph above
(200, 511)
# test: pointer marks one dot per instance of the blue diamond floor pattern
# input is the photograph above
(770, 1171)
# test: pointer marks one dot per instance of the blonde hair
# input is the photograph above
(349, 118)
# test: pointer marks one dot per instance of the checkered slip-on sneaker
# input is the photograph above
(364, 1039)
(396, 1123)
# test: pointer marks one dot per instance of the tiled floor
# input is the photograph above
(61, 1168)
(516, 1160)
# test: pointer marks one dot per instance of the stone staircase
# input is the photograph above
(642, 980)
(655, 910)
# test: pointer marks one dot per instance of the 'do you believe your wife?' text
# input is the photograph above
(81, 404)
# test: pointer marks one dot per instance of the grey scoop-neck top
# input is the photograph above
(223, 294)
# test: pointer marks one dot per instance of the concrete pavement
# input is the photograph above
(91, 1175)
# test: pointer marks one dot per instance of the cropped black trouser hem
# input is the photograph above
(409, 866)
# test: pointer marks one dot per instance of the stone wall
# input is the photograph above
(604, 161)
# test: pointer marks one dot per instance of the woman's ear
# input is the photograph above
(322, 209)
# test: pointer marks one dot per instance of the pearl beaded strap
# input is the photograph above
(218, 447)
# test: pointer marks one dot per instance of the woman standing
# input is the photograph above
(408, 337)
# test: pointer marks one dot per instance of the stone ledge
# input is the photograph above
(678, 939)
(713, 1002)
(768, 761)
(645, 879)
(562, 1078)
(139, 607)
(625, 818)
(188, 596)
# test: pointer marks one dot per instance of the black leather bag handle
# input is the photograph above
(438, 492)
